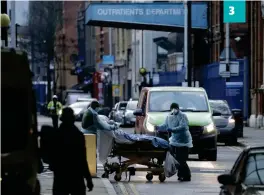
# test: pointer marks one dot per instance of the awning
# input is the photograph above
(160, 16)
(164, 43)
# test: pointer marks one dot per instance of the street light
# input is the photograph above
(5, 20)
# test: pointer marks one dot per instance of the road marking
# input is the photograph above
(133, 188)
(122, 188)
(194, 164)
(203, 165)
(235, 148)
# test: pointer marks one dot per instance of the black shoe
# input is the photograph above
(184, 179)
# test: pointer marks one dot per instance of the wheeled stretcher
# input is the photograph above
(140, 152)
(131, 149)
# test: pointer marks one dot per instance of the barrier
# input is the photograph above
(90, 144)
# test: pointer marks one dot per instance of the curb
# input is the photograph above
(242, 144)
(109, 187)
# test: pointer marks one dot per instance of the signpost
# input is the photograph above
(233, 69)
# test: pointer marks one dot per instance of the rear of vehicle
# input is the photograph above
(129, 117)
(155, 107)
(225, 122)
(119, 112)
(19, 146)
(79, 109)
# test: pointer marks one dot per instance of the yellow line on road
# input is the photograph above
(133, 188)
(123, 188)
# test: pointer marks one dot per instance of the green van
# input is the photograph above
(153, 107)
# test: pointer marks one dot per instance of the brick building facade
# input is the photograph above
(66, 45)
(246, 39)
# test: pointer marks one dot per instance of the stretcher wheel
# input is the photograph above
(162, 177)
(149, 176)
(105, 175)
(118, 177)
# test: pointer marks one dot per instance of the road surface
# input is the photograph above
(204, 174)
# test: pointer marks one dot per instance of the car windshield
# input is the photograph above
(132, 105)
(122, 106)
(80, 104)
(194, 101)
(221, 107)
(255, 170)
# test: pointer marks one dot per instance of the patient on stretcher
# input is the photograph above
(108, 136)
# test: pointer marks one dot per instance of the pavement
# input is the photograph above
(204, 173)
(252, 137)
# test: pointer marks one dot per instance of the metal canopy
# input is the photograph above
(165, 16)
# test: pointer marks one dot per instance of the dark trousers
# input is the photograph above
(63, 186)
(55, 121)
(181, 154)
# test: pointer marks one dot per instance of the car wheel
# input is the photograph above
(208, 155)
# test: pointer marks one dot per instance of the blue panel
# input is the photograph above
(165, 14)
(217, 89)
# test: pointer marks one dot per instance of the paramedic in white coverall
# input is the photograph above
(177, 124)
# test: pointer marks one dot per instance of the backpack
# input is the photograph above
(47, 143)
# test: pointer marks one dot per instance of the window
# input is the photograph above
(122, 106)
(255, 170)
(188, 101)
(220, 106)
(132, 105)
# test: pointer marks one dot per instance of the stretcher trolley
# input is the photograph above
(142, 153)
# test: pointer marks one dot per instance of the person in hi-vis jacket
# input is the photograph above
(54, 108)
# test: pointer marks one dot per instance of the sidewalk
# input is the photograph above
(252, 137)
(101, 186)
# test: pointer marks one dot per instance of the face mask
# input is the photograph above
(97, 109)
(174, 111)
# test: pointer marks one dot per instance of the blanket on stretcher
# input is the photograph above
(106, 139)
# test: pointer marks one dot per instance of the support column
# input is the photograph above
(252, 119)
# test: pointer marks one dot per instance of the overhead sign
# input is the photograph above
(158, 14)
(233, 69)
(108, 60)
(235, 11)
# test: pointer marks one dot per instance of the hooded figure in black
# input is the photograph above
(70, 165)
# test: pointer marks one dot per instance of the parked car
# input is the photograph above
(79, 109)
(118, 112)
(225, 122)
(247, 175)
(129, 117)
(154, 107)
(111, 114)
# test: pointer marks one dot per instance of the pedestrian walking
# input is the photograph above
(177, 124)
(69, 163)
(54, 108)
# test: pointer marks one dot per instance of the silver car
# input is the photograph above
(129, 117)
(224, 122)
(118, 112)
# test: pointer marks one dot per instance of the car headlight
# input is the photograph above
(150, 127)
(231, 120)
(209, 128)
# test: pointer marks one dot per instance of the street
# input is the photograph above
(204, 174)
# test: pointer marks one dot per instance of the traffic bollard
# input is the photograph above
(90, 144)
